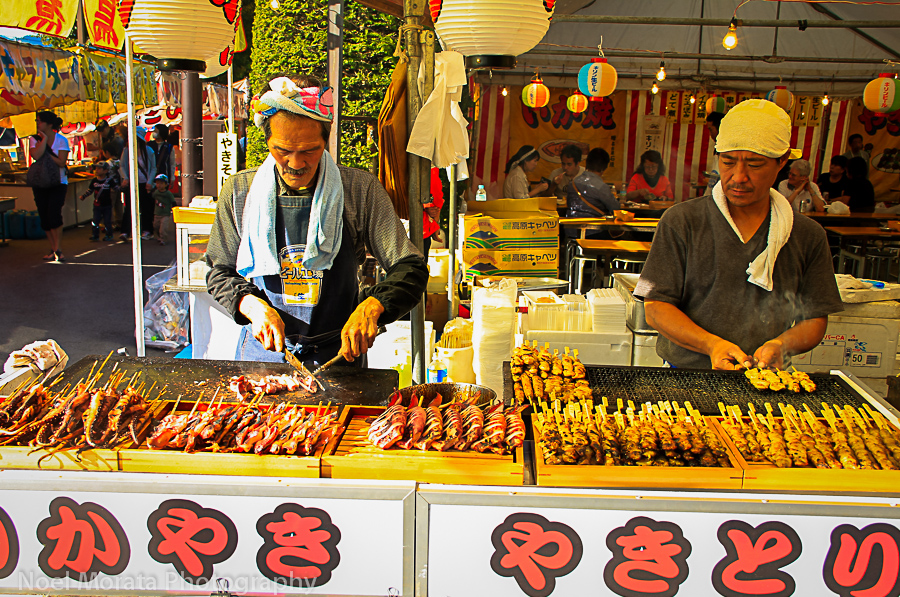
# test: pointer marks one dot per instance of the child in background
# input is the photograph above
(163, 200)
(102, 187)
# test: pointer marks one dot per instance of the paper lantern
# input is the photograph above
(715, 104)
(781, 97)
(218, 64)
(181, 34)
(577, 102)
(491, 33)
(535, 94)
(597, 79)
(881, 94)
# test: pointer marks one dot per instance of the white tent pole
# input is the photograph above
(231, 99)
(135, 204)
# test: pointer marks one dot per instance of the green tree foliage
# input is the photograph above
(293, 40)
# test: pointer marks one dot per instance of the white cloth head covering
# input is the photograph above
(759, 126)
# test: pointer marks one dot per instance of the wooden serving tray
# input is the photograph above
(765, 476)
(25, 458)
(637, 477)
(144, 460)
(355, 458)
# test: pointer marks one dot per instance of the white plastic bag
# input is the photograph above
(837, 207)
(166, 314)
(493, 334)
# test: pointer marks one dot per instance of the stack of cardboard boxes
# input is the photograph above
(512, 238)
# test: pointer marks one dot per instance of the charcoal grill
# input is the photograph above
(705, 388)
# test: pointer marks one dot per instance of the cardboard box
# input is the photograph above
(862, 346)
(540, 262)
(511, 230)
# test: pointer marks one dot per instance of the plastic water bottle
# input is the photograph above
(480, 194)
(804, 205)
(437, 370)
(622, 195)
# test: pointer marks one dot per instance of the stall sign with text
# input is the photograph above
(226, 157)
(53, 543)
(541, 552)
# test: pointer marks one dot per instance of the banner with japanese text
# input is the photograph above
(143, 542)
(50, 17)
(103, 24)
(627, 547)
(34, 78)
(882, 133)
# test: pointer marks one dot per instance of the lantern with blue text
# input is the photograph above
(491, 33)
(597, 79)
(535, 94)
(716, 104)
(781, 97)
(180, 34)
(577, 102)
(881, 94)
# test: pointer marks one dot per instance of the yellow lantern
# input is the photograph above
(597, 79)
(781, 97)
(716, 104)
(536, 94)
(181, 34)
(577, 102)
(881, 94)
(491, 33)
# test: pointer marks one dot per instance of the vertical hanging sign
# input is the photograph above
(226, 158)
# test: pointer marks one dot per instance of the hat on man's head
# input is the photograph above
(141, 132)
(759, 126)
(161, 177)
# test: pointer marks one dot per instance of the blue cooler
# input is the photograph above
(33, 228)
(15, 224)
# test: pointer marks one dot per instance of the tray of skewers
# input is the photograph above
(537, 373)
(74, 427)
(836, 447)
(432, 433)
(662, 445)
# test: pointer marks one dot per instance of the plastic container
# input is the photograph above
(578, 313)
(546, 311)
(15, 224)
(480, 194)
(33, 228)
(437, 370)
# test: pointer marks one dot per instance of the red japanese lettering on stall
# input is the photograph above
(754, 558)
(562, 116)
(532, 116)
(649, 558)
(875, 121)
(864, 562)
(599, 114)
(191, 538)
(81, 541)
(300, 546)
(48, 17)
(534, 551)
(9, 545)
(104, 23)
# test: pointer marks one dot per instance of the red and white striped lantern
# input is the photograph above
(881, 94)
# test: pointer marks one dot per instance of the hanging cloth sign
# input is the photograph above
(103, 24)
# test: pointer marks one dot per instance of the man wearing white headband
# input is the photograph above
(736, 279)
(290, 235)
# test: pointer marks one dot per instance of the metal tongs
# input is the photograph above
(299, 366)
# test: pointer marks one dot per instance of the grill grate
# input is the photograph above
(705, 389)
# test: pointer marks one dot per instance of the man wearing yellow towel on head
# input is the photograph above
(737, 279)
(289, 237)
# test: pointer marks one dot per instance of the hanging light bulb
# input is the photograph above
(655, 89)
(661, 75)
(729, 42)
(274, 4)
(693, 99)
(825, 100)
(504, 92)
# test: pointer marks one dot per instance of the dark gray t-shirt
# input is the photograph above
(699, 264)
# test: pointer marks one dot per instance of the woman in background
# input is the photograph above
(516, 185)
(49, 201)
(649, 181)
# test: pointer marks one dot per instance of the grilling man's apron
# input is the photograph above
(314, 305)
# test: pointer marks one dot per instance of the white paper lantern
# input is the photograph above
(218, 63)
(491, 33)
(181, 34)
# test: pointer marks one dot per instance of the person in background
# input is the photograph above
(797, 188)
(146, 172)
(712, 128)
(431, 212)
(860, 192)
(174, 180)
(857, 150)
(570, 158)
(111, 142)
(834, 182)
(165, 160)
(516, 185)
(101, 187)
(49, 201)
(649, 181)
(163, 201)
(589, 195)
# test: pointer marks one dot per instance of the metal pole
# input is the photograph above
(451, 243)
(79, 24)
(694, 22)
(700, 56)
(135, 204)
(335, 68)
(231, 99)
(191, 134)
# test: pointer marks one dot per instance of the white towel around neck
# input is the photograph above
(781, 223)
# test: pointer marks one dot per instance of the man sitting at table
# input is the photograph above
(860, 192)
(834, 182)
(695, 282)
(589, 195)
(562, 177)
